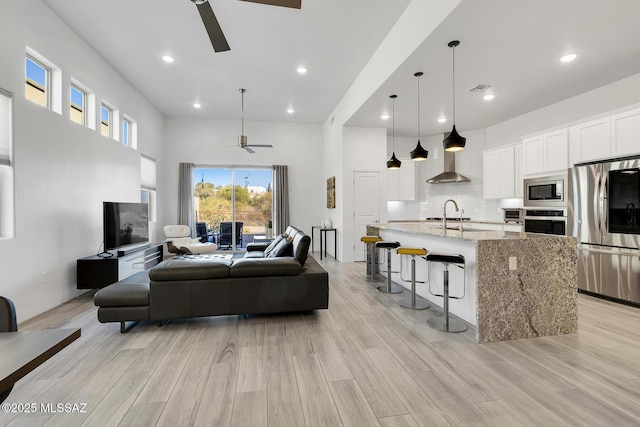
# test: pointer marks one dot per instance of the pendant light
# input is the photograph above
(419, 153)
(393, 162)
(454, 142)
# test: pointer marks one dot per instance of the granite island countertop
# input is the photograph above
(434, 228)
(515, 284)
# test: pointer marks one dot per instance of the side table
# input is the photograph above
(323, 238)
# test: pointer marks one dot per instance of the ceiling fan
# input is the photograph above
(218, 40)
(242, 139)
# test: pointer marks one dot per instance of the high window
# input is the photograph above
(78, 102)
(6, 164)
(126, 132)
(43, 81)
(148, 184)
(38, 82)
(106, 121)
(235, 203)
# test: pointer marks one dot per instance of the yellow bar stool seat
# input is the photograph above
(372, 275)
(412, 302)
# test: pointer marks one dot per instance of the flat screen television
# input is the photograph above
(125, 224)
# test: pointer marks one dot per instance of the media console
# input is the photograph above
(94, 272)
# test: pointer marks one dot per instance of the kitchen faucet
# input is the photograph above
(444, 214)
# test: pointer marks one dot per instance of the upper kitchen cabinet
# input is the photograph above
(590, 141)
(500, 169)
(401, 183)
(548, 152)
(625, 133)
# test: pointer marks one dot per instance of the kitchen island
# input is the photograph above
(515, 285)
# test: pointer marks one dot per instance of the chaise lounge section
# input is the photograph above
(205, 285)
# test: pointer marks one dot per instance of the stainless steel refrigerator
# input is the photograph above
(604, 215)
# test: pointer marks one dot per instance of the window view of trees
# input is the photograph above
(213, 205)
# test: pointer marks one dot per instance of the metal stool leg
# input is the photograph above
(373, 276)
(444, 323)
(411, 302)
(390, 288)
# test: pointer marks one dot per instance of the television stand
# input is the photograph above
(128, 250)
(95, 271)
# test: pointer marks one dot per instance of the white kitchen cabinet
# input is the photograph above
(401, 183)
(499, 173)
(518, 171)
(548, 152)
(590, 141)
(625, 133)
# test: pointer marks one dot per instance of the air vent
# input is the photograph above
(479, 88)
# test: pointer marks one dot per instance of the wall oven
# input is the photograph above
(548, 191)
(546, 221)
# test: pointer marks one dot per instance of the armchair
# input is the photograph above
(179, 241)
(7, 324)
(226, 233)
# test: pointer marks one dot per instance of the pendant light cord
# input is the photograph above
(418, 108)
(242, 91)
(393, 123)
(453, 68)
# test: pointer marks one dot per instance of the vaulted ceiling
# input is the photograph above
(512, 45)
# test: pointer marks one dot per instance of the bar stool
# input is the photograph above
(371, 241)
(411, 301)
(445, 324)
(390, 288)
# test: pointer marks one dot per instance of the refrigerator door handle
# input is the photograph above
(609, 251)
(604, 204)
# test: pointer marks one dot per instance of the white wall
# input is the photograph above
(607, 98)
(63, 171)
(364, 149)
(208, 142)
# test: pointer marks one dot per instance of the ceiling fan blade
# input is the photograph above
(212, 26)
(249, 150)
(295, 4)
(260, 145)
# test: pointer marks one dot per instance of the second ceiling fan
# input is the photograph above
(211, 24)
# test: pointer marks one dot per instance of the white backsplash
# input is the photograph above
(431, 197)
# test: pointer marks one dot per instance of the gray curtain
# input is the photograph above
(185, 196)
(280, 199)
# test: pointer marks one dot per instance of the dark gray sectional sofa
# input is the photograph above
(204, 285)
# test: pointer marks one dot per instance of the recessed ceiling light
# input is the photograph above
(302, 70)
(488, 97)
(168, 59)
(442, 119)
(384, 117)
(290, 110)
(196, 105)
(569, 57)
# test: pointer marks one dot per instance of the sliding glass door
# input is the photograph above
(235, 204)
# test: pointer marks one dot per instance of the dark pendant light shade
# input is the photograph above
(419, 154)
(454, 141)
(393, 162)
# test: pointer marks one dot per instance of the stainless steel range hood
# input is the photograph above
(449, 175)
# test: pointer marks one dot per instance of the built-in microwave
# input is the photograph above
(548, 191)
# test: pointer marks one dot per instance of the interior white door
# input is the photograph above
(366, 207)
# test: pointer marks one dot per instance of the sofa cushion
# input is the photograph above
(255, 267)
(254, 254)
(279, 238)
(284, 248)
(301, 243)
(122, 294)
(190, 267)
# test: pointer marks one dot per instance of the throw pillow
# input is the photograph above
(273, 245)
(283, 248)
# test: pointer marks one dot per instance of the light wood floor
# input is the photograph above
(363, 362)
